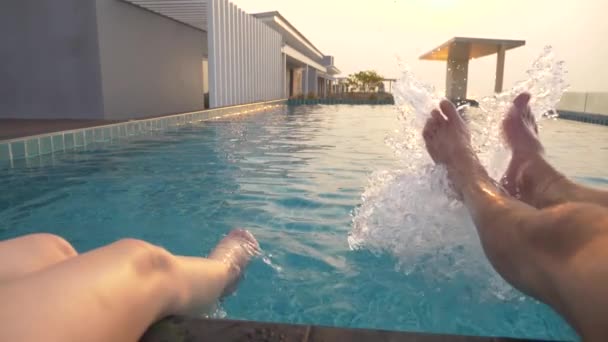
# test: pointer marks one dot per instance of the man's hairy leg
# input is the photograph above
(552, 254)
(529, 176)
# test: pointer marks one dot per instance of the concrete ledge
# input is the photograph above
(297, 102)
(38, 145)
(203, 330)
(598, 119)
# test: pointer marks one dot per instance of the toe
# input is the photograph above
(436, 115)
(522, 100)
(431, 126)
(449, 110)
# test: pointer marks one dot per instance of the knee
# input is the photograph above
(54, 246)
(146, 258)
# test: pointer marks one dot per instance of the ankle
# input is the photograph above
(541, 184)
(468, 174)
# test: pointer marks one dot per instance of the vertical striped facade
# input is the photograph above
(245, 60)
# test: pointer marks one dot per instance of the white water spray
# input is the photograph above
(410, 212)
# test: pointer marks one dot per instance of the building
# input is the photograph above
(308, 70)
(125, 59)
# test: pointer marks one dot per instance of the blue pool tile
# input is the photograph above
(46, 145)
(68, 141)
(114, 132)
(79, 138)
(58, 144)
(18, 149)
(97, 135)
(105, 135)
(5, 153)
(122, 131)
(32, 147)
(89, 136)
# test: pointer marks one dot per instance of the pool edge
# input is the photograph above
(60, 141)
(200, 329)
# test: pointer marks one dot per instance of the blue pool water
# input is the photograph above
(293, 177)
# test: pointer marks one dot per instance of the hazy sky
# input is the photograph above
(370, 34)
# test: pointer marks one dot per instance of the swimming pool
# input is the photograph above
(293, 177)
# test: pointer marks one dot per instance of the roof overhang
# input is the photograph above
(290, 34)
(300, 57)
(477, 47)
(189, 12)
(332, 70)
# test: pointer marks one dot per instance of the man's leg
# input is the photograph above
(529, 176)
(556, 254)
(116, 292)
(31, 253)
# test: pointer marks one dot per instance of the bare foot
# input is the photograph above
(448, 141)
(236, 250)
(527, 172)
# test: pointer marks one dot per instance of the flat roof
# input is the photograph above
(479, 47)
(286, 30)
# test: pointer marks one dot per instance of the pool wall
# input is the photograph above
(591, 107)
(296, 102)
(32, 146)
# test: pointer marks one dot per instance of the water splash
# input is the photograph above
(410, 212)
(267, 259)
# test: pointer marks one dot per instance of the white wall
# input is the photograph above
(597, 103)
(150, 64)
(572, 101)
(245, 62)
(593, 103)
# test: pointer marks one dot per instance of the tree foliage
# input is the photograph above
(365, 81)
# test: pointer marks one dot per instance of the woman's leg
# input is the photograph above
(529, 176)
(116, 292)
(557, 254)
(31, 253)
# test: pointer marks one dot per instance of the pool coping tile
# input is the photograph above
(58, 142)
(43, 144)
(196, 329)
(32, 147)
(5, 153)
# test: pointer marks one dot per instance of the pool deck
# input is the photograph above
(20, 128)
(203, 330)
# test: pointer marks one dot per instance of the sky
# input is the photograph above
(365, 35)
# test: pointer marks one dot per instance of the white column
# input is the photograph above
(247, 58)
(239, 59)
(258, 78)
(306, 85)
(500, 69)
(285, 81)
(261, 64)
(212, 48)
(265, 62)
(223, 55)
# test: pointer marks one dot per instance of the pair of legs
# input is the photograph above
(544, 234)
(50, 293)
